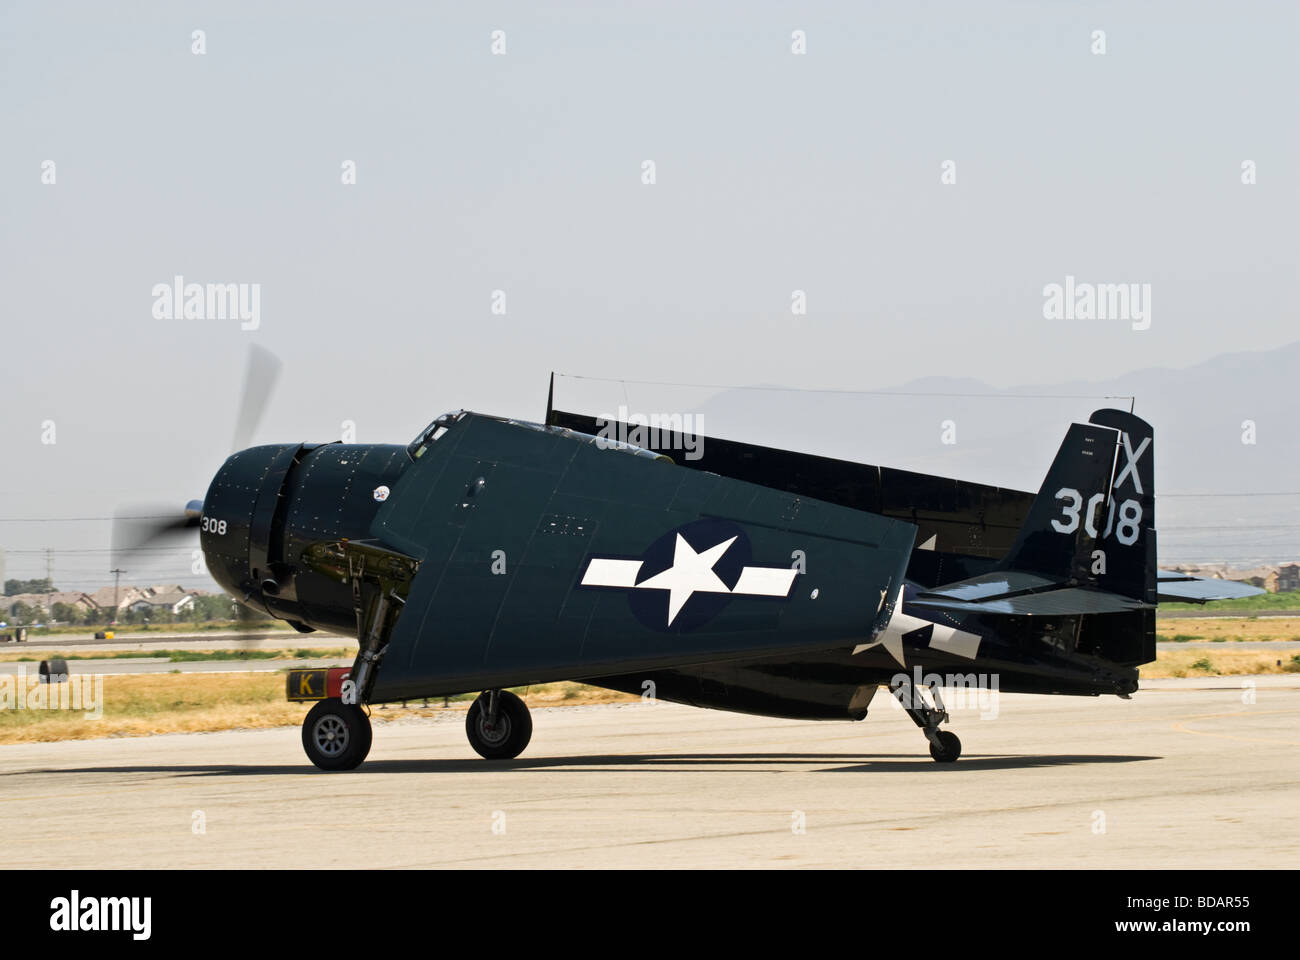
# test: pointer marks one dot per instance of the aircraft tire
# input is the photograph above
(514, 728)
(948, 749)
(336, 735)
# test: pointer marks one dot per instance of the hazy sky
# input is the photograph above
(523, 173)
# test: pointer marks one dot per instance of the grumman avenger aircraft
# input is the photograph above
(491, 553)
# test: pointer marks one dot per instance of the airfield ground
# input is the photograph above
(1189, 773)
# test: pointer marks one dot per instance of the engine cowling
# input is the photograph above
(267, 504)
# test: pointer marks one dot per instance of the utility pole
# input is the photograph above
(117, 574)
(49, 573)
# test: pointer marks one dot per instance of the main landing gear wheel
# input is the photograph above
(336, 735)
(498, 725)
(945, 748)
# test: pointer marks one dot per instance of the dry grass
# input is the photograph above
(1211, 663)
(211, 653)
(1236, 628)
(162, 703)
(183, 627)
(142, 705)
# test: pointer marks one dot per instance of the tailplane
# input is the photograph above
(1088, 544)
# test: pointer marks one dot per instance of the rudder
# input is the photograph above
(1093, 521)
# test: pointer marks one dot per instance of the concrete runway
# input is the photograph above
(1185, 775)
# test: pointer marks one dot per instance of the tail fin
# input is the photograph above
(1093, 521)
(1088, 544)
(1125, 553)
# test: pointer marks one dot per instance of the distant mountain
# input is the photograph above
(1009, 437)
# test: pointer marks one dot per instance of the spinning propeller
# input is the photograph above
(153, 525)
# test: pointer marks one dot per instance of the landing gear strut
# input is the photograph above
(498, 725)
(944, 745)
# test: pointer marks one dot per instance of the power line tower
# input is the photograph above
(117, 576)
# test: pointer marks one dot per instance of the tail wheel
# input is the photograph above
(336, 735)
(948, 747)
(504, 737)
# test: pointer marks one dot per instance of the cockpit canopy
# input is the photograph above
(430, 434)
(426, 437)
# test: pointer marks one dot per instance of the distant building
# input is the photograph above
(1258, 577)
(1263, 577)
(172, 598)
(103, 597)
(1288, 577)
(45, 602)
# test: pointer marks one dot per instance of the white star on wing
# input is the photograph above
(690, 573)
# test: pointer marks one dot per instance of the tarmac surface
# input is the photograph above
(1189, 773)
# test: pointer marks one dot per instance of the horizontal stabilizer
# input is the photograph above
(989, 586)
(1017, 592)
(1175, 587)
(1011, 592)
(1058, 601)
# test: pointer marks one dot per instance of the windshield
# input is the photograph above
(426, 438)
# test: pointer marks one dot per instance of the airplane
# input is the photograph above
(492, 552)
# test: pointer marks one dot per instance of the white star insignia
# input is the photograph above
(690, 573)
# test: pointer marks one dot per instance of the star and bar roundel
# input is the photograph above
(686, 577)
